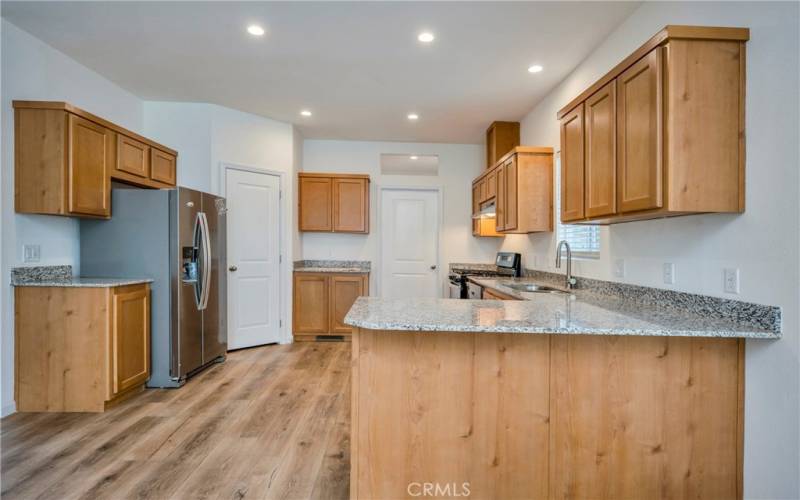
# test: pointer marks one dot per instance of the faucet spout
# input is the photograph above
(570, 281)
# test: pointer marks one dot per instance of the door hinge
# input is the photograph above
(280, 323)
(280, 194)
(280, 259)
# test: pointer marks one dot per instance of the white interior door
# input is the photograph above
(253, 201)
(409, 243)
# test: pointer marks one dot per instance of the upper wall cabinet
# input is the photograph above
(521, 188)
(336, 203)
(501, 137)
(660, 135)
(65, 159)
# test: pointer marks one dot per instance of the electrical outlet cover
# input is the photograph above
(731, 280)
(31, 253)
(669, 273)
(619, 268)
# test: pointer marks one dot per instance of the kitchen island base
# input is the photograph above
(509, 415)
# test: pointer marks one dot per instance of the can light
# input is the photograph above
(536, 68)
(255, 30)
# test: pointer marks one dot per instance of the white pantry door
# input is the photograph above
(409, 243)
(253, 201)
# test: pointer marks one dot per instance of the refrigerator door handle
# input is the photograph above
(205, 246)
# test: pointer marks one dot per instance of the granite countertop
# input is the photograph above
(61, 276)
(332, 266)
(581, 312)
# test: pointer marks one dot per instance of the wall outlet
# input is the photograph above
(31, 253)
(619, 268)
(669, 273)
(731, 276)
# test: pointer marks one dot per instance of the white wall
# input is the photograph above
(32, 70)
(459, 164)
(208, 136)
(763, 242)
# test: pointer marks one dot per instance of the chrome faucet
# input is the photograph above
(570, 281)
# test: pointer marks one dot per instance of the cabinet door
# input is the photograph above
(133, 157)
(89, 167)
(351, 205)
(310, 303)
(163, 167)
(572, 165)
(639, 132)
(491, 185)
(316, 204)
(130, 337)
(510, 194)
(601, 159)
(500, 200)
(476, 224)
(344, 290)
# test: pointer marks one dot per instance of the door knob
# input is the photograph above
(232, 268)
(433, 267)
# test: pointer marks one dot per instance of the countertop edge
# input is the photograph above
(112, 283)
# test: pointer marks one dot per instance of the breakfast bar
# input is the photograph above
(555, 395)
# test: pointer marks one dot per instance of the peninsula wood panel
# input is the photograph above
(89, 167)
(572, 165)
(547, 416)
(645, 417)
(446, 412)
(639, 131)
(601, 149)
(351, 205)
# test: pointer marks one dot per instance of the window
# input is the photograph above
(583, 240)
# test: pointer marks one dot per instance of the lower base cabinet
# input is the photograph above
(322, 300)
(80, 349)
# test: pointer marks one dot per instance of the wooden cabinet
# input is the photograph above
(322, 300)
(333, 203)
(89, 184)
(163, 167)
(80, 349)
(660, 135)
(521, 188)
(501, 137)
(65, 159)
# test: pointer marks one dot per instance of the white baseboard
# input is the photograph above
(8, 409)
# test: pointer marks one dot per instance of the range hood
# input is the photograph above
(488, 211)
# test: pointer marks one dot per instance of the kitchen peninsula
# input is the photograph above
(577, 395)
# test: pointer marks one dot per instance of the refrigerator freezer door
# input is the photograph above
(215, 330)
(188, 322)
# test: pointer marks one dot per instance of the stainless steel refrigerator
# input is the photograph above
(177, 238)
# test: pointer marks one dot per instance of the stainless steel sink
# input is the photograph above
(532, 288)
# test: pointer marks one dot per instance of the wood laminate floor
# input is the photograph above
(270, 422)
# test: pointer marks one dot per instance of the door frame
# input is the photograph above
(439, 208)
(284, 283)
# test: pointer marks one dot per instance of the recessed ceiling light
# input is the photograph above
(535, 68)
(413, 116)
(426, 37)
(414, 157)
(255, 30)
(305, 112)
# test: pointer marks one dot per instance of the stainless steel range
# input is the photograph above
(506, 264)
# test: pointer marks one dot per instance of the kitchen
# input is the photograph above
(673, 306)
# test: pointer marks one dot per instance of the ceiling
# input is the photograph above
(358, 66)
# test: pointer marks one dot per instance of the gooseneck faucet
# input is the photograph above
(570, 281)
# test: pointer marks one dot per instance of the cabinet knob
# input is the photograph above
(232, 268)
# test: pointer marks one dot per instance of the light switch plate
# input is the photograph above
(619, 268)
(669, 273)
(31, 253)
(731, 277)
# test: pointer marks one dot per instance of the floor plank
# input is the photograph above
(270, 422)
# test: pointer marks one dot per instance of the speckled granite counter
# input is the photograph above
(332, 266)
(61, 276)
(580, 313)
